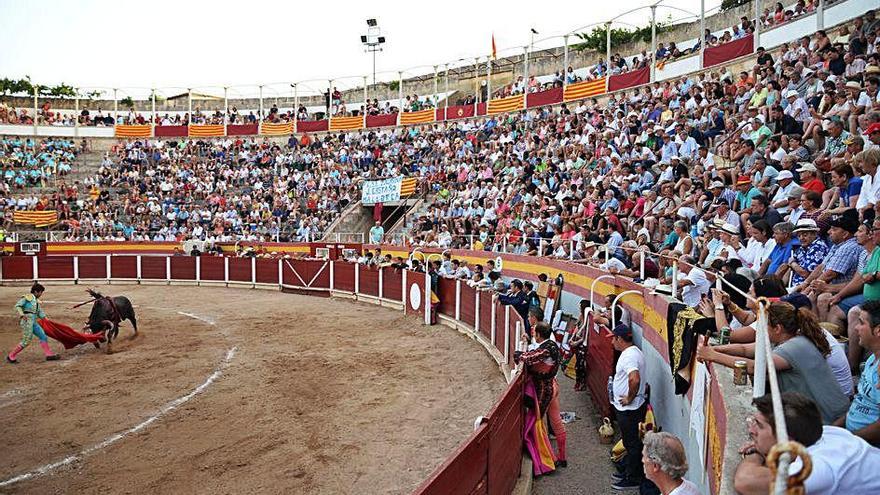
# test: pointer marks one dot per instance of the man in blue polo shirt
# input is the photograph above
(785, 243)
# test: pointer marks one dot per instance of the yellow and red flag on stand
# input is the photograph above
(42, 218)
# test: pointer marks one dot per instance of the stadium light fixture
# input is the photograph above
(373, 42)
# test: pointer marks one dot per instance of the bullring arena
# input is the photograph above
(294, 394)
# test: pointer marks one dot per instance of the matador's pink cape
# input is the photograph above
(66, 335)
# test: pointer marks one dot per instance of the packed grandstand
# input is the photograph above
(763, 170)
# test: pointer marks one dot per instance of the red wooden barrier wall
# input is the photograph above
(488, 462)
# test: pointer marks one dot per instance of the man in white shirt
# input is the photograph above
(870, 180)
(693, 282)
(627, 394)
(842, 462)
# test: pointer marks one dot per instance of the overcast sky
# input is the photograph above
(202, 44)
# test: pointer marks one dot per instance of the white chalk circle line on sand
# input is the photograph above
(167, 408)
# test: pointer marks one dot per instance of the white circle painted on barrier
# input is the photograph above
(415, 296)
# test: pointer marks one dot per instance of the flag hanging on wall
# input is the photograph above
(42, 218)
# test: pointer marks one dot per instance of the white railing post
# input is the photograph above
(110, 275)
(493, 326)
(36, 267)
(357, 278)
(226, 270)
(506, 333)
(757, 36)
(477, 312)
(593, 288)
(675, 279)
(138, 267)
(457, 300)
(168, 269)
(198, 270)
(332, 274)
(254, 272)
(614, 304)
(280, 273)
(404, 290)
(427, 298)
(381, 272)
(76, 268)
(519, 336)
(642, 265)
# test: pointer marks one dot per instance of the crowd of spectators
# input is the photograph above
(26, 163)
(767, 179)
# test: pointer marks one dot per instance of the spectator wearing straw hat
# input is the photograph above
(841, 461)
(839, 265)
(808, 255)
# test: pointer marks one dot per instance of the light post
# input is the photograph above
(373, 42)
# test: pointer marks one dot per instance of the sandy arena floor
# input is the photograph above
(313, 395)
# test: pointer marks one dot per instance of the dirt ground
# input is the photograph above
(320, 396)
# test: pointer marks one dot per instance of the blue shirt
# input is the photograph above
(865, 407)
(853, 188)
(781, 254)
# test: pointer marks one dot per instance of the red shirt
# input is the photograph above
(815, 185)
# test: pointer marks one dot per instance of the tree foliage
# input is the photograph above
(597, 38)
(26, 87)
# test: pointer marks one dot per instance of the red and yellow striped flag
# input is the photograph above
(509, 104)
(42, 218)
(212, 130)
(133, 131)
(407, 186)
(584, 89)
(269, 129)
(346, 123)
(420, 117)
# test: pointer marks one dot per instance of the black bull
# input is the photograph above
(108, 312)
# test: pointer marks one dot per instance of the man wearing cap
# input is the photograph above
(873, 135)
(839, 266)
(810, 177)
(785, 181)
(834, 144)
(797, 108)
(626, 391)
(745, 193)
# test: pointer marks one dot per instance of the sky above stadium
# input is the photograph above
(201, 44)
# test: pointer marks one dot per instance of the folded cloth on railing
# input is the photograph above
(66, 335)
(684, 325)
